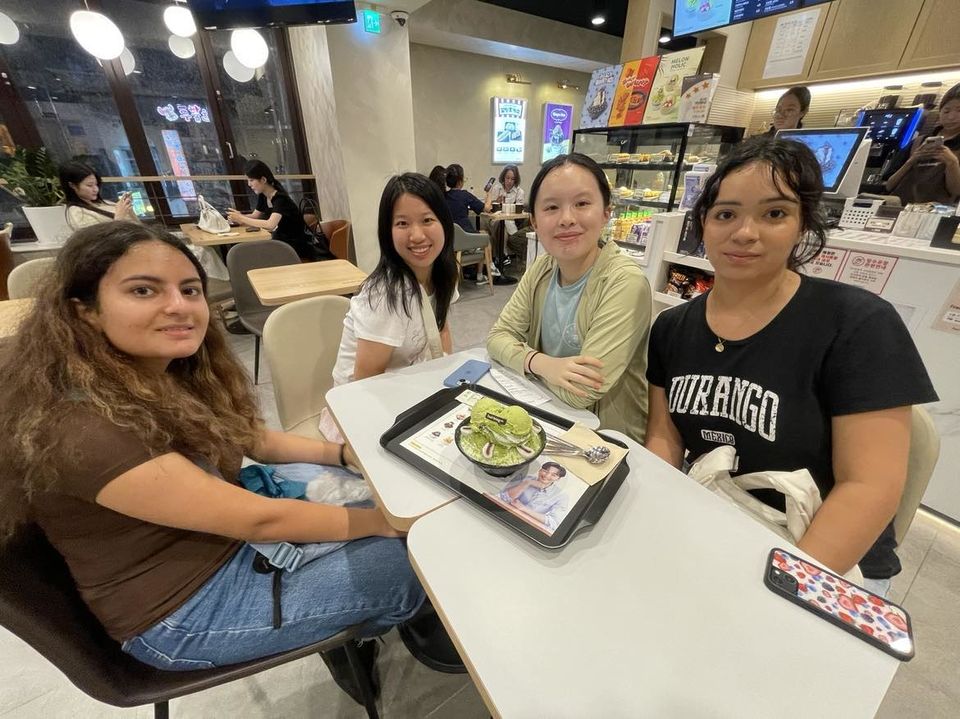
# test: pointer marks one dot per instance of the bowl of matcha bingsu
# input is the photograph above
(500, 439)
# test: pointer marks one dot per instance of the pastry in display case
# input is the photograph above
(645, 166)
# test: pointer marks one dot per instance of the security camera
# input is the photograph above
(401, 16)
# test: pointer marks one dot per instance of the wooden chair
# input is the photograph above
(39, 602)
(473, 248)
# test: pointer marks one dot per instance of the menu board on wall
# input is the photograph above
(509, 129)
(557, 130)
(633, 91)
(664, 102)
(599, 99)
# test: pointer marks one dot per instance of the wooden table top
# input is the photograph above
(12, 313)
(287, 283)
(498, 216)
(208, 239)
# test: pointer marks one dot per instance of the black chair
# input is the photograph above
(241, 259)
(40, 604)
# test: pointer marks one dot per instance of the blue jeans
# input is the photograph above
(230, 618)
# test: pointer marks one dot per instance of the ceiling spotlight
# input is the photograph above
(598, 20)
(97, 34)
(249, 48)
(664, 39)
(9, 32)
(179, 21)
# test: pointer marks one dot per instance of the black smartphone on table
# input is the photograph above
(863, 614)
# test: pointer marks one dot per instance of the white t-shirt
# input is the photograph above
(369, 318)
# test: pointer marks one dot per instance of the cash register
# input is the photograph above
(891, 132)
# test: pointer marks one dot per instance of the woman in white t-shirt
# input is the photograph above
(85, 206)
(389, 325)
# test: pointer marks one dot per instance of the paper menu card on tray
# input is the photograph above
(583, 437)
(599, 98)
(633, 90)
(664, 102)
(790, 44)
(520, 388)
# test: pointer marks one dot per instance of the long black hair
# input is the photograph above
(794, 165)
(392, 275)
(574, 158)
(438, 175)
(258, 169)
(73, 173)
(454, 175)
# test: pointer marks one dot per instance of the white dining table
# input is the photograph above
(367, 408)
(659, 610)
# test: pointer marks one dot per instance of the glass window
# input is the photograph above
(65, 89)
(258, 110)
(171, 101)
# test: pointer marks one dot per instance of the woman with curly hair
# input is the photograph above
(124, 418)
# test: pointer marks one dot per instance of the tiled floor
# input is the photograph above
(929, 587)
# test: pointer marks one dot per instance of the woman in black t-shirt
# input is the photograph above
(279, 214)
(794, 372)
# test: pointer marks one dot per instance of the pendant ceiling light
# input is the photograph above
(182, 47)
(237, 70)
(249, 48)
(179, 21)
(9, 32)
(97, 34)
(127, 61)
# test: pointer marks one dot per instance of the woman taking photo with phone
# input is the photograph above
(793, 371)
(85, 206)
(124, 417)
(932, 172)
(279, 214)
(580, 316)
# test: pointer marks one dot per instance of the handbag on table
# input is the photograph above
(210, 218)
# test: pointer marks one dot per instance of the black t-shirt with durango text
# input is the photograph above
(833, 350)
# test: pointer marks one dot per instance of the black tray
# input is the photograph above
(585, 512)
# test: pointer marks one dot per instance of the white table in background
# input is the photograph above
(657, 611)
(366, 409)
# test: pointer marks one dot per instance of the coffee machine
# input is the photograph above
(891, 130)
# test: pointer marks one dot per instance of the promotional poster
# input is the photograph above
(697, 97)
(633, 91)
(664, 102)
(557, 130)
(599, 98)
(509, 129)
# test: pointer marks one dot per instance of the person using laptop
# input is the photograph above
(85, 205)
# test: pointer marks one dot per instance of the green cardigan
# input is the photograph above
(613, 318)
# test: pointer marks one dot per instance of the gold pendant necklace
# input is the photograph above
(719, 345)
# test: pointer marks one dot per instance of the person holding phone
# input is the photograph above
(744, 365)
(84, 204)
(932, 171)
(580, 317)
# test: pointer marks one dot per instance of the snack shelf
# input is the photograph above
(665, 299)
(700, 263)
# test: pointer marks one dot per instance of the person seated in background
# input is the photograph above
(932, 171)
(580, 317)
(438, 176)
(506, 190)
(792, 107)
(461, 201)
(401, 314)
(744, 365)
(124, 417)
(279, 214)
(85, 206)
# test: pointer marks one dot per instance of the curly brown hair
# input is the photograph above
(203, 405)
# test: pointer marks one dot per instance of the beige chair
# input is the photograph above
(338, 233)
(924, 452)
(473, 248)
(300, 341)
(23, 279)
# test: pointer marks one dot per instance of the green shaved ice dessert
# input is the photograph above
(500, 435)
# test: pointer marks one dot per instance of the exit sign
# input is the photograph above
(371, 21)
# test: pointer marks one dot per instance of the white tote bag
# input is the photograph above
(210, 218)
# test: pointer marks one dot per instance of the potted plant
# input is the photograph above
(31, 176)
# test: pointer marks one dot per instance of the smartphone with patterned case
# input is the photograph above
(864, 614)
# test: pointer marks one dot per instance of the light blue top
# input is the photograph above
(558, 328)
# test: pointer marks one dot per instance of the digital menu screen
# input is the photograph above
(693, 16)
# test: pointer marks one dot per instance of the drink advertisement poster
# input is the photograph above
(664, 102)
(697, 96)
(599, 99)
(633, 90)
(557, 130)
(509, 129)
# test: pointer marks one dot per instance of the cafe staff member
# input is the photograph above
(792, 107)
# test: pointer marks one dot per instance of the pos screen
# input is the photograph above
(834, 149)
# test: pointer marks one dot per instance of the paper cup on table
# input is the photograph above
(508, 208)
